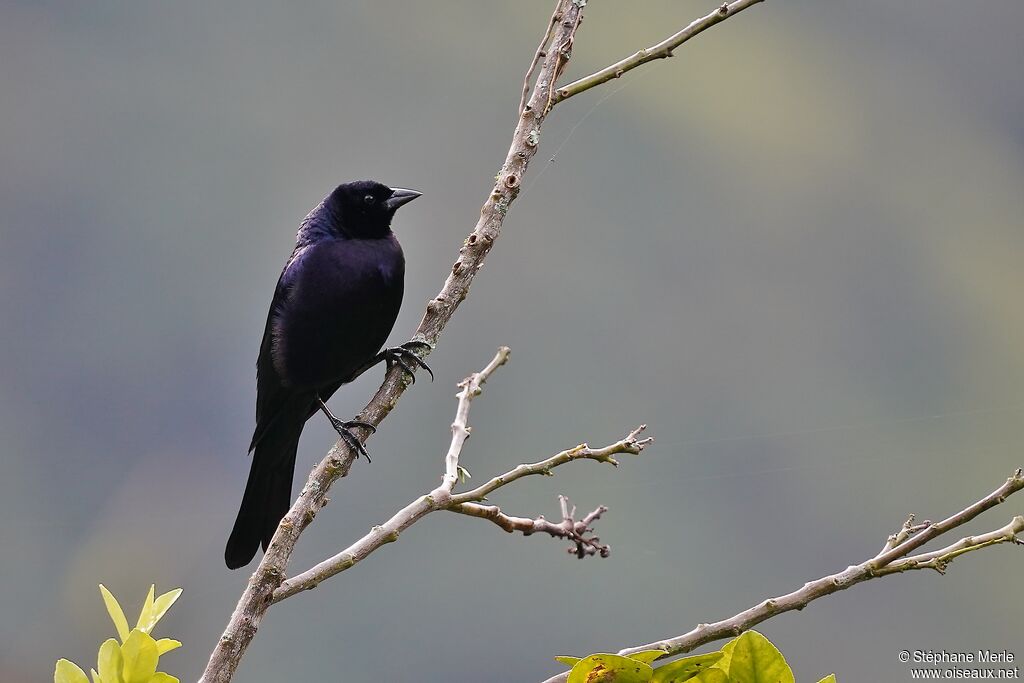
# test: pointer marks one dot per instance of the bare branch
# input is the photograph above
(908, 530)
(630, 444)
(660, 51)
(441, 498)
(575, 530)
(939, 559)
(1012, 485)
(472, 386)
(888, 562)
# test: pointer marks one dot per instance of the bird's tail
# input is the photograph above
(268, 493)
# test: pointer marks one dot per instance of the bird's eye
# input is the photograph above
(369, 199)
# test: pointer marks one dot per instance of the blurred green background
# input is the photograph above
(795, 251)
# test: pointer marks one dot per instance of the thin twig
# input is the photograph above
(575, 530)
(1012, 485)
(939, 559)
(908, 530)
(471, 387)
(891, 562)
(539, 55)
(630, 444)
(660, 51)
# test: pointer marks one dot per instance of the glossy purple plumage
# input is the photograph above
(334, 306)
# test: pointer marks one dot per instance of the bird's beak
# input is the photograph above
(400, 197)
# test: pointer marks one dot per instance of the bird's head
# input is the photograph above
(363, 209)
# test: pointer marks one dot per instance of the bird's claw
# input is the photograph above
(344, 429)
(397, 355)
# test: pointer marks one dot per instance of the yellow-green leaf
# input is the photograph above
(109, 662)
(147, 610)
(165, 645)
(147, 620)
(726, 659)
(95, 676)
(161, 677)
(753, 659)
(647, 656)
(609, 668)
(115, 612)
(140, 657)
(831, 678)
(710, 676)
(686, 668)
(68, 672)
(567, 660)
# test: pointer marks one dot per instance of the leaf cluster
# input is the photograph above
(749, 658)
(134, 659)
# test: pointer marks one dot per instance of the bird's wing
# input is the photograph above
(363, 296)
(271, 394)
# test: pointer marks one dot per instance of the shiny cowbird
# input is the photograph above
(335, 304)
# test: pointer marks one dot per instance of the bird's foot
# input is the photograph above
(344, 429)
(398, 355)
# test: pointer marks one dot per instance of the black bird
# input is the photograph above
(335, 304)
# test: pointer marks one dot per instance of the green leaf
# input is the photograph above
(686, 668)
(609, 668)
(115, 612)
(68, 672)
(751, 658)
(647, 656)
(147, 610)
(140, 657)
(157, 610)
(109, 662)
(165, 645)
(567, 660)
(161, 677)
(831, 678)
